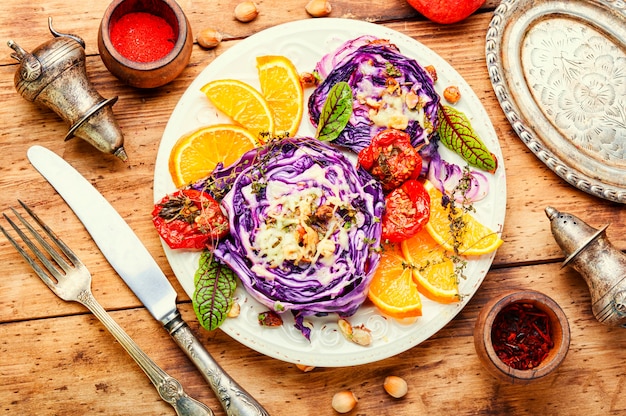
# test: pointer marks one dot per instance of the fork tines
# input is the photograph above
(61, 261)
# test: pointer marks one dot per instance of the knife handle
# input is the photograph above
(167, 386)
(233, 398)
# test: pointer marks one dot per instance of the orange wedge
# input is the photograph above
(433, 269)
(392, 289)
(467, 237)
(195, 155)
(243, 104)
(282, 89)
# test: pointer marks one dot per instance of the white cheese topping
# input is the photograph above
(388, 106)
(300, 223)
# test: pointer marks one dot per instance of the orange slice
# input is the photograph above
(282, 89)
(470, 238)
(433, 269)
(392, 289)
(196, 155)
(243, 104)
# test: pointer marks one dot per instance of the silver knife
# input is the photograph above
(132, 261)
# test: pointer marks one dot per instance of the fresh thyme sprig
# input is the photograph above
(220, 181)
(458, 226)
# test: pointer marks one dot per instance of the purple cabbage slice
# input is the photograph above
(390, 91)
(305, 228)
(337, 57)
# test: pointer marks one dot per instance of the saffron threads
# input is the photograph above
(521, 336)
(142, 37)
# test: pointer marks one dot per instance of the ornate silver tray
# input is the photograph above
(558, 69)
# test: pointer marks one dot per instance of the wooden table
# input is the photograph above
(57, 359)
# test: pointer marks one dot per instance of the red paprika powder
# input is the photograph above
(521, 336)
(142, 37)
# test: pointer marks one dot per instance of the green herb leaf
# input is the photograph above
(392, 71)
(335, 113)
(456, 133)
(215, 285)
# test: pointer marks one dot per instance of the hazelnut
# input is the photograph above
(452, 94)
(246, 11)
(344, 401)
(395, 386)
(318, 8)
(305, 368)
(209, 38)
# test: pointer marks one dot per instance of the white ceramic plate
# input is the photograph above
(558, 70)
(304, 43)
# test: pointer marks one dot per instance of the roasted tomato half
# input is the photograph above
(391, 158)
(407, 211)
(189, 219)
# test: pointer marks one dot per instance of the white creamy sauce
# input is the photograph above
(387, 107)
(290, 231)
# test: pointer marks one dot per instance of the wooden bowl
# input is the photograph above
(146, 74)
(560, 334)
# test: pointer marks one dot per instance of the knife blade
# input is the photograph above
(136, 266)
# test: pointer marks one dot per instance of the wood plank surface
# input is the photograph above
(77, 368)
(59, 360)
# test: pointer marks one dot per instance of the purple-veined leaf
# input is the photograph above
(335, 113)
(215, 286)
(456, 133)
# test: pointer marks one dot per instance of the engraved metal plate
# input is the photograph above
(558, 69)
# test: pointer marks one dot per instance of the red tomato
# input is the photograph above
(189, 219)
(391, 158)
(407, 210)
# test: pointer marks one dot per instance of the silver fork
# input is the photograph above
(70, 280)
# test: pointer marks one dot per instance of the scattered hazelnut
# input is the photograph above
(209, 38)
(318, 8)
(246, 11)
(344, 401)
(395, 386)
(452, 94)
(305, 368)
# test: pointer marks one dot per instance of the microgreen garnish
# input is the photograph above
(215, 285)
(456, 133)
(391, 70)
(335, 113)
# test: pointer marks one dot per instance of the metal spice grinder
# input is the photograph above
(54, 76)
(601, 264)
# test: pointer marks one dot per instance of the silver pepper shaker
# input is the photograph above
(54, 76)
(601, 264)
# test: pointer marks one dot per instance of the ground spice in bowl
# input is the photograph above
(142, 36)
(145, 43)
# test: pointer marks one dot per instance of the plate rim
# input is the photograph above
(504, 91)
(315, 358)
